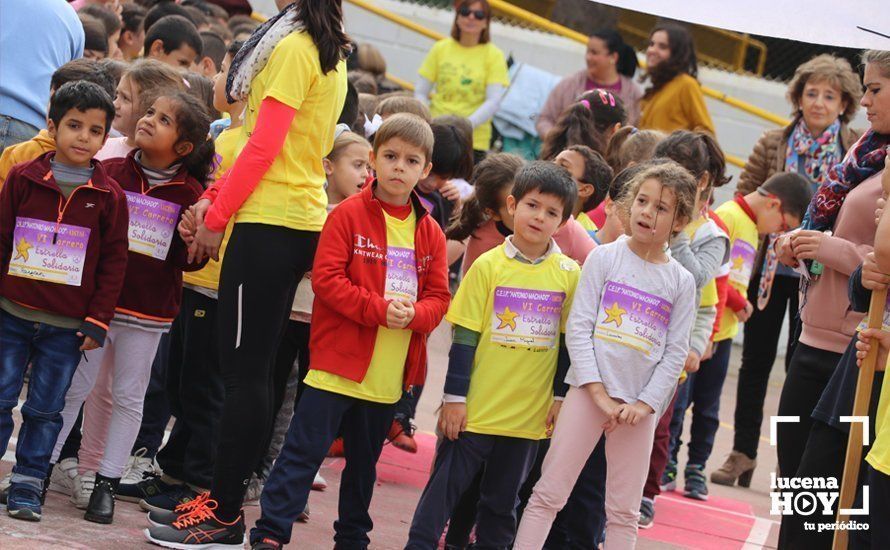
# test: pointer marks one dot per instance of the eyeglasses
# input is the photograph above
(465, 11)
(785, 227)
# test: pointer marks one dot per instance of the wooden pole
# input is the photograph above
(850, 481)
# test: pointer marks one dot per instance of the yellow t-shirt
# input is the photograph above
(587, 224)
(879, 456)
(742, 252)
(383, 381)
(291, 193)
(709, 291)
(226, 145)
(460, 75)
(520, 310)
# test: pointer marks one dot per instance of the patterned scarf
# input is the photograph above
(255, 53)
(818, 155)
(863, 160)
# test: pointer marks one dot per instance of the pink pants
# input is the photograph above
(96, 419)
(577, 432)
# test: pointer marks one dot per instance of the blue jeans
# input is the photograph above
(702, 390)
(13, 130)
(53, 354)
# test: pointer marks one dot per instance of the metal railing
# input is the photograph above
(555, 28)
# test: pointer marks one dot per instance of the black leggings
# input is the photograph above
(260, 272)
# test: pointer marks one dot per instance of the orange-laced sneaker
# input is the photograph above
(199, 528)
(167, 517)
(192, 504)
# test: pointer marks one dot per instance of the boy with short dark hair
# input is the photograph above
(63, 254)
(79, 69)
(593, 175)
(508, 361)
(173, 40)
(213, 50)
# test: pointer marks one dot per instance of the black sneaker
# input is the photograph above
(168, 500)
(199, 528)
(147, 488)
(696, 485)
(647, 513)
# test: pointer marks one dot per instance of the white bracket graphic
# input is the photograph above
(774, 421)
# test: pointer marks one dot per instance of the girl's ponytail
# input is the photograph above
(497, 171)
(324, 23)
(627, 61)
(470, 217)
(716, 160)
(576, 126)
(193, 126)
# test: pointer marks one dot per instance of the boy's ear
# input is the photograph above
(426, 170)
(206, 67)
(585, 190)
(156, 49)
(372, 160)
(51, 128)
(492, 214)
(511, 204)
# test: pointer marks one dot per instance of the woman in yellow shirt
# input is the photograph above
(292, 74)
(674, 100)
(466, 75)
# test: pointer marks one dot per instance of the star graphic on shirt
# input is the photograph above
(22, 248)
(508, 319)
(738, 263)
(615, 314)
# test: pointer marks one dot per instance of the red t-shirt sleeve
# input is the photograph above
(273, 123)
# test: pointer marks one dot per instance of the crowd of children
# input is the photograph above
(593, 294)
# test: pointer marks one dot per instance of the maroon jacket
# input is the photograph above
(153, 286)
(31, 192)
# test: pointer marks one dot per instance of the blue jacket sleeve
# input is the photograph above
(859, 295)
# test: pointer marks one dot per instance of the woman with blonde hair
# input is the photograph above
(824, 94)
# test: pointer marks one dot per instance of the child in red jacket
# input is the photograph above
(63, 251)
(381, 286)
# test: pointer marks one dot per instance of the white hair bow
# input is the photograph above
(371, 126)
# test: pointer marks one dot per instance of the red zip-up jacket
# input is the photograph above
(348, 277)
(153, 287)
(99, 205)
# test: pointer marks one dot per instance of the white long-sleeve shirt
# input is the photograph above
(629, 325)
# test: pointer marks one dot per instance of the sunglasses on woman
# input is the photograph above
(465, 11)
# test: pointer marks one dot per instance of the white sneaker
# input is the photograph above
(62, 478)
(137, 468)
(319, 483)
(83, 488)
